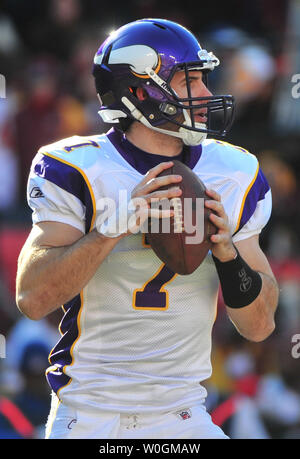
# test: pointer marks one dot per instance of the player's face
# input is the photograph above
(198, 89)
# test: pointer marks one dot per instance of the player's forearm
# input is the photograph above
(256, 321)
(49, 277)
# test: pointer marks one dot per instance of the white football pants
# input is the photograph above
(190, 423)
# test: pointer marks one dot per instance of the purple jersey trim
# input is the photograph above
(69, 179)
(257, 193)
(143, 161)
(61, 354)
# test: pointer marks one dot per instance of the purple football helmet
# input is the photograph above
(147, 53)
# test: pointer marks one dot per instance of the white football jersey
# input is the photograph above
(138, 337)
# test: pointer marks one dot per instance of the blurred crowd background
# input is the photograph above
(46, 51)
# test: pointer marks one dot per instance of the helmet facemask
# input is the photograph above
(163, 105)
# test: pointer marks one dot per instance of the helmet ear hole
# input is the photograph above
(141, 94)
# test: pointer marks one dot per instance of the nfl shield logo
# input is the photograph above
(184, 414)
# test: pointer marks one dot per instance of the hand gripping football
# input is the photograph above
(183, 241)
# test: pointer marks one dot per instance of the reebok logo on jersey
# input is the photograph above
(36, 193)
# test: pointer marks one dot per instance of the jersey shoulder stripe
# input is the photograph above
(70, 178)
(73, 164)
(236, 175)
(255, 192)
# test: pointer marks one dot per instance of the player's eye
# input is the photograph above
(194, 81)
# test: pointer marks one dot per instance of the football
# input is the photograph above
(183, 241)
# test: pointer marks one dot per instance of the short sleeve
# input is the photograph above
(56, 192)
(256, 210)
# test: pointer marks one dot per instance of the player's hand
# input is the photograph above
(130, 216)
(148, 191)
(223, 248)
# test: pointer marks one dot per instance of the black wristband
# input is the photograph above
(240, 284)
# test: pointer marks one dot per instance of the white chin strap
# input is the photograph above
(191, 137)
(188, 137)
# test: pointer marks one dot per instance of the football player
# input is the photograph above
(136, 337)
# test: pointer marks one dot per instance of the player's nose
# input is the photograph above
(201, 90)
